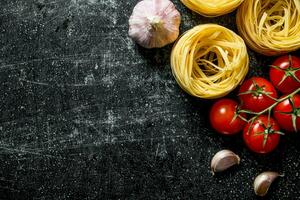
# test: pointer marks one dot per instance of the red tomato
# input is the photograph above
(223, 117)
(287, 111)
(261, 136)
(253, 94)
(284, 72)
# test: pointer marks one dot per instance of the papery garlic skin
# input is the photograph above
(223, 160)
(263, 182)
(154, 23)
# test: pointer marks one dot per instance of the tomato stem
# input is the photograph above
(242, 118)
(269, 109)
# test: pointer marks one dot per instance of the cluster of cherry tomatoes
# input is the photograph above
(261, 114)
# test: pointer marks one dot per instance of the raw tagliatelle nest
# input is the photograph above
(270, 27)
(209, 61)
(212, 8)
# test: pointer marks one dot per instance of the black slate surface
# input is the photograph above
(85, 113)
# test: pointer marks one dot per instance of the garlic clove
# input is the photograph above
(223, 160)
(263, 182)
(154, 23)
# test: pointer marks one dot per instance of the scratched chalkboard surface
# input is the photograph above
(85, 113)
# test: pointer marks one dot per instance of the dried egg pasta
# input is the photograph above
(270, 27)
(209, 61)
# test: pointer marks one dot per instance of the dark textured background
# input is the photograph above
(87, 114)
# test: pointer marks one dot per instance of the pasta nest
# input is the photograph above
(270, 27)
(209, 61)
(212, 8)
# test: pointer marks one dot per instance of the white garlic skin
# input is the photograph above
(223, 160)
(263, 182)
(154, 23)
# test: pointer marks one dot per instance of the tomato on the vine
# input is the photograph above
(224, 117)
(257, 94)
(262, 135)
(285, 73)
(287, 114)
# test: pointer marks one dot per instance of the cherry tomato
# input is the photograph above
(284, 73)
(262, 136)
(287, 114)
(254, 94)
(223, 117)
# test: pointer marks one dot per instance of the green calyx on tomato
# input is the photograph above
(262, 134)
(294, 113)
(285, 73)
(268, 130)
(288, 72)
(257, 90)
(257, 94)
(238, 114)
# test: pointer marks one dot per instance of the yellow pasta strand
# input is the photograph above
(270, 27)
(209, 61)
(212, 8)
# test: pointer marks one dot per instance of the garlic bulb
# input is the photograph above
(154, 23)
